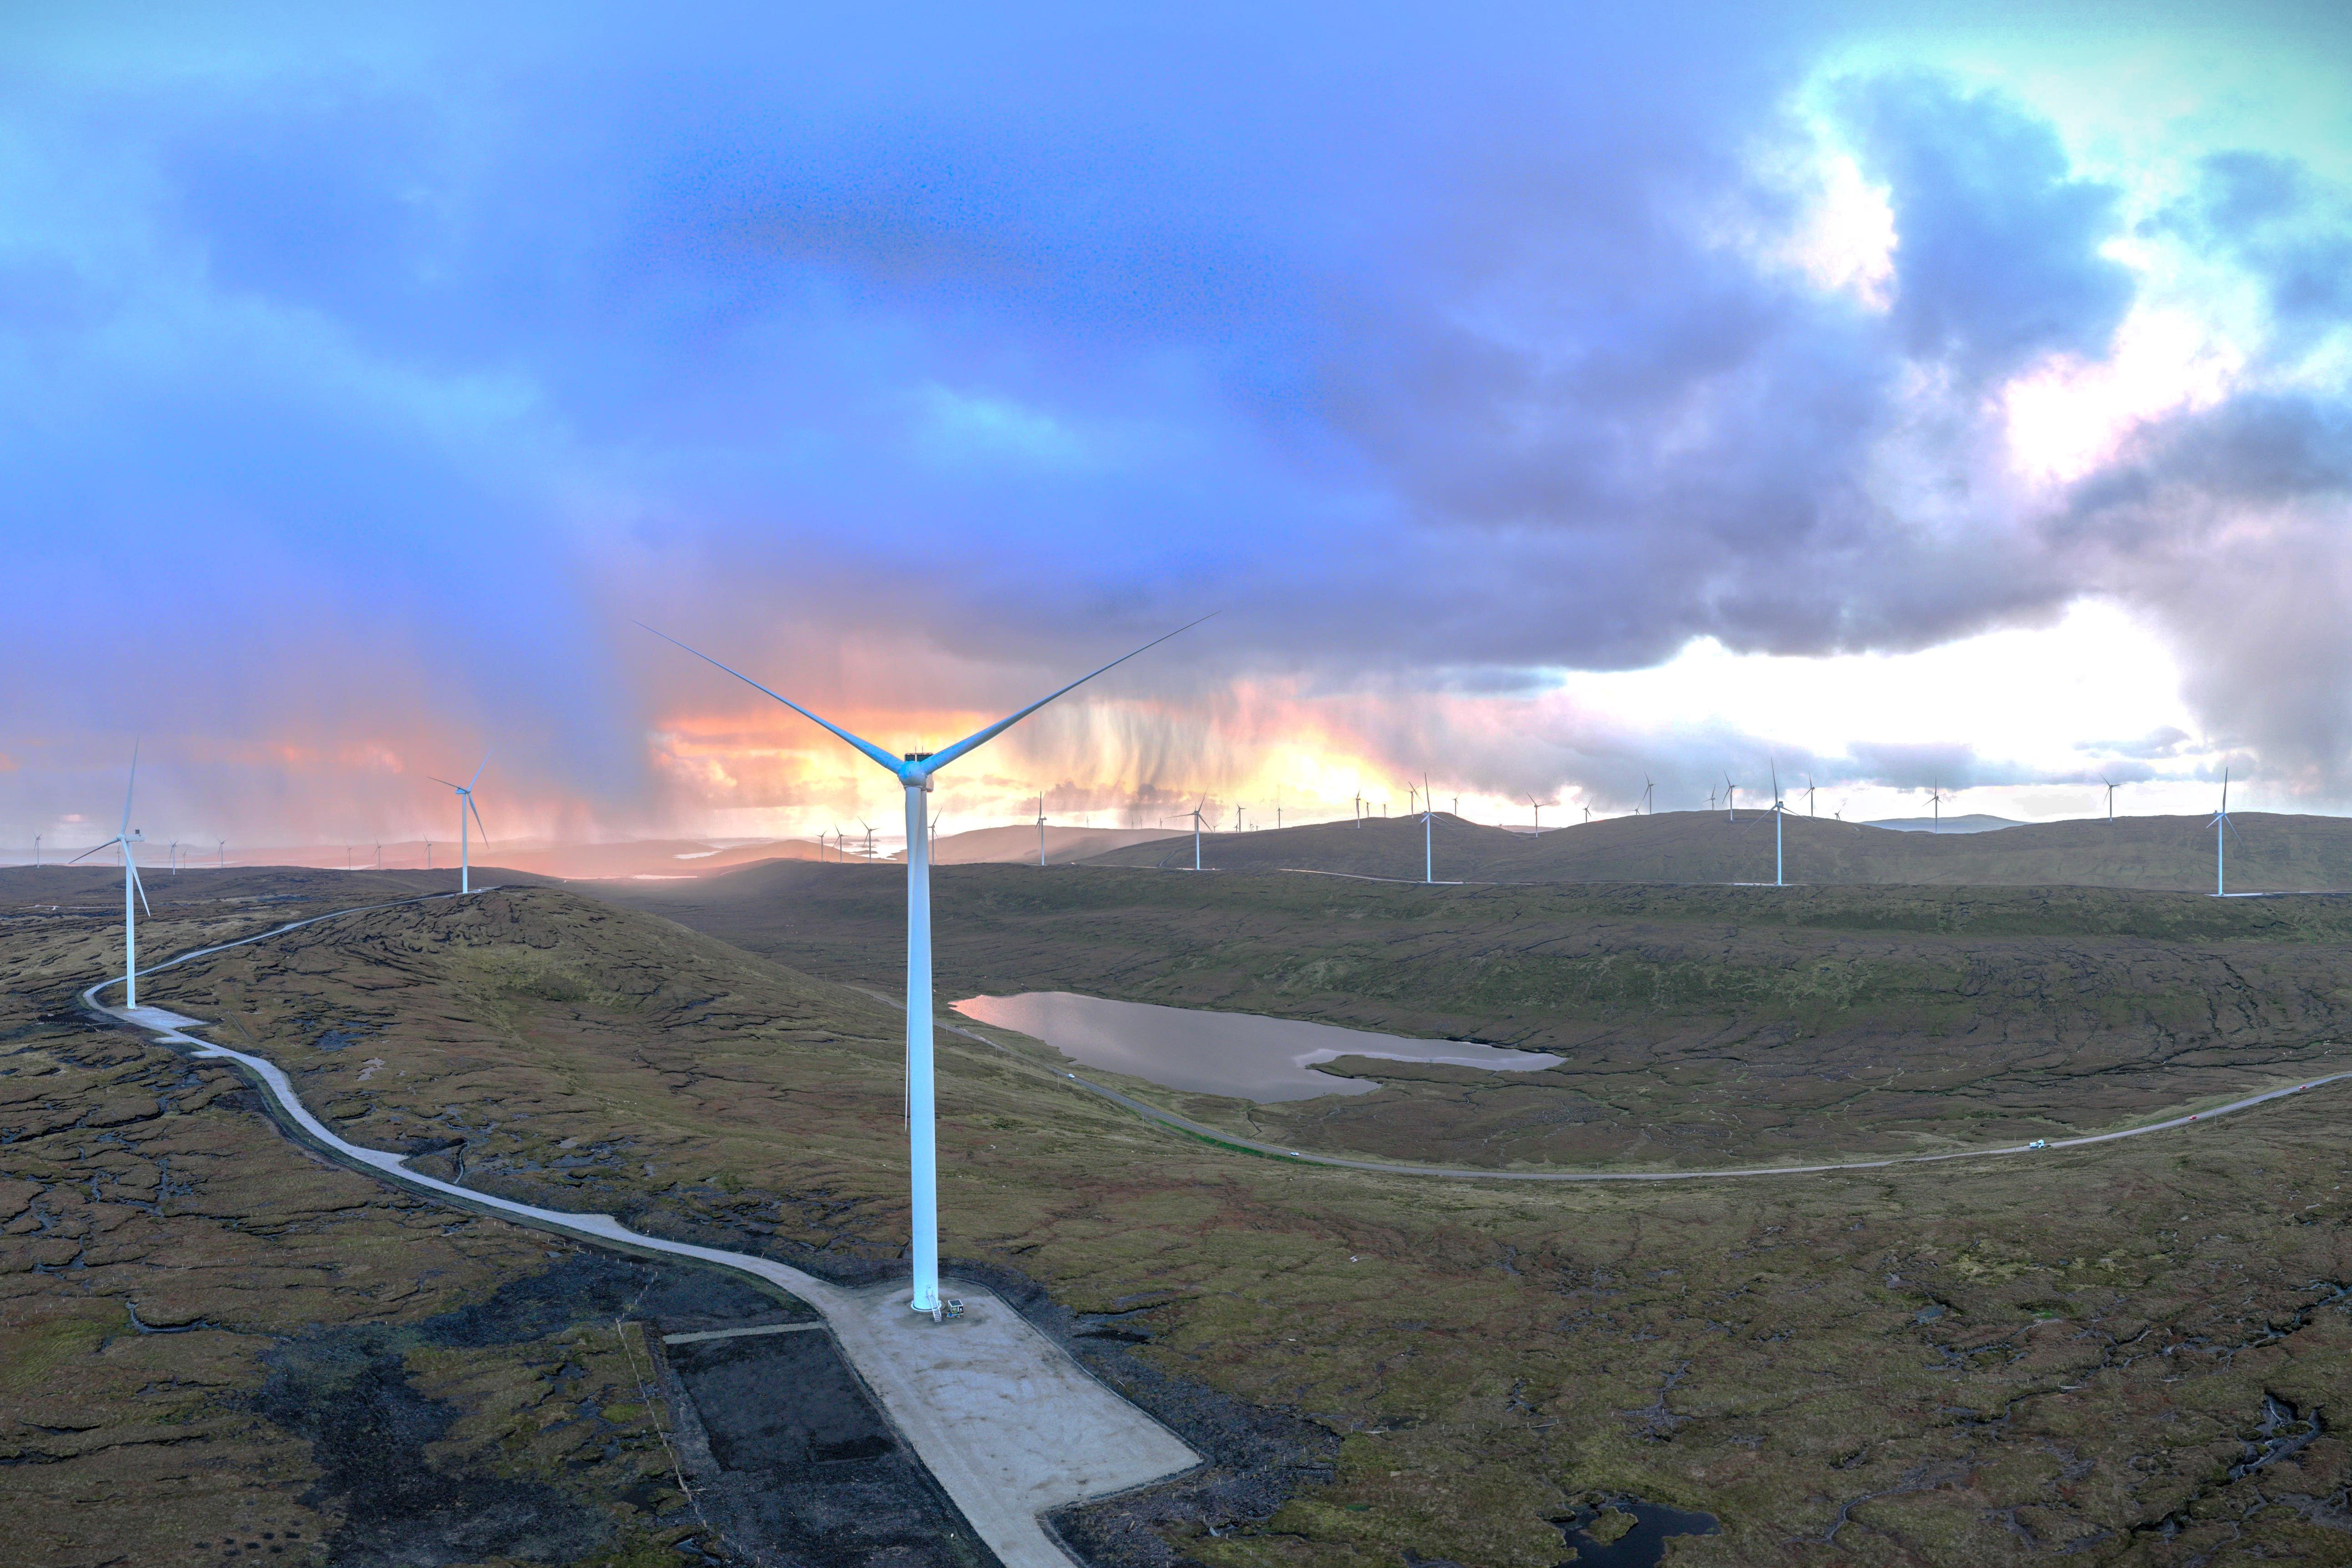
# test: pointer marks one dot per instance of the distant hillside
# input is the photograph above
(2274, 852)
(1974, 823)
(1016, 845)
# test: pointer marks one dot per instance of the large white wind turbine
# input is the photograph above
(1194, 815)
(1779, 810)
(914, 773)
(2222, 827)
(127, 836)
(465, 842)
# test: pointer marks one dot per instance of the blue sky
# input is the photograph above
(1548, 398)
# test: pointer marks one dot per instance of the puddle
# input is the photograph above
(1237, 1054)
(1644, 1545)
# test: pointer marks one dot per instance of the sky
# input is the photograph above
(1550, 401)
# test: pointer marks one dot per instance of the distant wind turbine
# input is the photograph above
(1194, 815)
(36, 851)
(915, 772)
(223, 853)
(1809, 794)
(465, 839)
(1428, 833)
(1936, 803)
(1649, 797)
(379, 857)
(1730, 799)
(2110, 798)
(2222, 827)
(128, 837)
(869, 837)
(1041, 829)
(1237, 816)
(175, 856)
(1537, 807)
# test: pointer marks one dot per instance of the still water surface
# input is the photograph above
(1239, 1054)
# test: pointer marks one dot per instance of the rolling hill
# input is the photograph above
(2272, 852)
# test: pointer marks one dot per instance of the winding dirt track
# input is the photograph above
(1010, 1425)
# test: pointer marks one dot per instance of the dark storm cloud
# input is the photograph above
(391, 366)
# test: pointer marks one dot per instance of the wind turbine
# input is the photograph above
(1779, 810)
(2223, 826)
(1809, 794)
(1587, 817)
(127, 836)
(36, 851)
(1195, 812)
(1649, 797)
(223, 853)
(1428, 831)
(175, 856)
(1730, 799)
(869, 837)
(1041, 829)
(2110, 798)
(1537, 808)
(465, 842)
(914, 773)
(1237, 816)
(379, 857)
(1936, 801)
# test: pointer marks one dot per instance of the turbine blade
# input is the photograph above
(478, 815)
(459, 788)
(94, 850)
(866, 746)
(478, 772)
(129, 786)
(939, 759)
(141, 886)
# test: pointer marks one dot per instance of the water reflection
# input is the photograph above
(1237, 1054)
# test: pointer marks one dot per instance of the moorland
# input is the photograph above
(2132, 1354)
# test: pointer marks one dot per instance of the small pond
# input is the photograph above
(1644, 1545)
(1237, 1054)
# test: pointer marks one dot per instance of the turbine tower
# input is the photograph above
(1779, 810)
(1537, 807)
(1193, 815)
(127, 836)
(914, 772)
(1649, 797)
(869, 837)
(465, 842)
(1730, 800)
(2223, 826)
(1936, 803)
(1041, 829)
(2110, 798)
(1809, 794)
(1428, 831)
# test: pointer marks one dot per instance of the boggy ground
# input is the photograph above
(1704, 1025)
(214, 1349)
(2137, 1353)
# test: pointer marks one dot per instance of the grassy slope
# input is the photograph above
(1703, 1025)
(134, 1181)
(1954, 1365)
(2175, 853)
